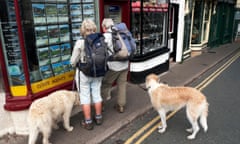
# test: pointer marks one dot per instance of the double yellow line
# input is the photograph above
(148, 129)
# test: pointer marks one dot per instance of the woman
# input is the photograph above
(89, 86)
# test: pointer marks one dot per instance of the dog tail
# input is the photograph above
(203, 116)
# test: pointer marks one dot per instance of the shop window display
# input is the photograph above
(200, 29)
(149, 25)
(12, 51)
(50, 29)
(196, 30)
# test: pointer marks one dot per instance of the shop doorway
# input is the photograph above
(173, 25)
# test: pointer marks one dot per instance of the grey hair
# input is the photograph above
(107, 23)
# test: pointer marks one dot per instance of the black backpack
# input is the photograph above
(95, 62)
(124, 44)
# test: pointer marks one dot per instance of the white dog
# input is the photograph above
(45, 112)
(165, 98)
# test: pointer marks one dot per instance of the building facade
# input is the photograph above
(199, 24)
(37, 37)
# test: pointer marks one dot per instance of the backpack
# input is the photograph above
(124, 44)
(95, 61)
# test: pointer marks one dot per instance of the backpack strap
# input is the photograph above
(111, 51)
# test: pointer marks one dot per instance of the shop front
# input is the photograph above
(222, 23)
(149, 26)
(212, 23)
(148, 22)
(37, 37)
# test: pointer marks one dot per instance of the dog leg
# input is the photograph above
(162, 128)
(66, 123)
(203, 122)
(33, 133)
(46, 131)
(195, 130)
(194, 123)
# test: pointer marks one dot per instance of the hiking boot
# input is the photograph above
(119, 108)
(87, 126)
(98, 120)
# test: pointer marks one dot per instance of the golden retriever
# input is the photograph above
(45, 112)
(165, 98)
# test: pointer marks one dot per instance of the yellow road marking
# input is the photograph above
(140, 131)
(155, 127)
(200, 86)
(213, 76)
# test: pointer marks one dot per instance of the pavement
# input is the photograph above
(138, 102)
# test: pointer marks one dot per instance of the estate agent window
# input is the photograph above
(49, 31)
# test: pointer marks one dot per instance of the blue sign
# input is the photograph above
(114, 8)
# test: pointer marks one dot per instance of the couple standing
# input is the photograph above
(98, 89)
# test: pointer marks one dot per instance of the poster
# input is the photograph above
(55, 53)
(51, 13)
(14, 70)
(66, 66)
(62, 13)
(64, 33)
(75, 1)
(53, 34)
(76, 31)
(46, 71)
(39, 13)
(88, 11)
(41, 35)
(88, 0)
(76, 13)
(66, 51)
(57, 68)
(43, 56)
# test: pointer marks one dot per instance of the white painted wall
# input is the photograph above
(180, 33)
(6, 123)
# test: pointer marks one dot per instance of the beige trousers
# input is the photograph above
(120, 77)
